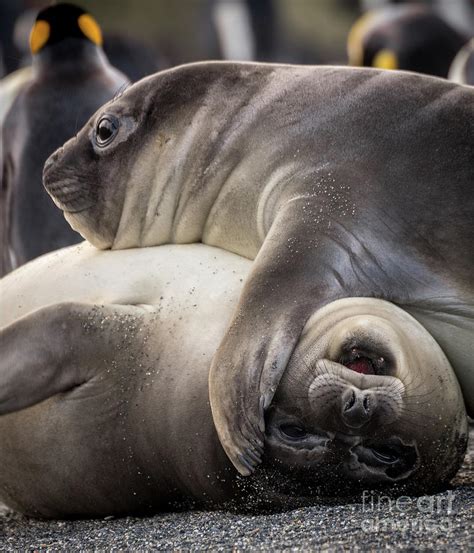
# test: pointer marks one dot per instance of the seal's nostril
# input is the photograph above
(357, 407)
(366, 403)
(350, 401)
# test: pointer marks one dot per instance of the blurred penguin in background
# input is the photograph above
(245, 29)
(71, 78)
(410, 37)
(462, 68)
(9, 55)
(132, 56)
(10, 86)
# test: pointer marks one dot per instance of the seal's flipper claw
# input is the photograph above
(259, 448)
(265, 401)
(245, 466)
(241, 440)
(263, 406)
(254, 456)
(257, 443)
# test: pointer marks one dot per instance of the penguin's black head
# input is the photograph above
(62, 21)
(410, 37)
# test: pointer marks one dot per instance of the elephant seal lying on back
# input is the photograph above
(340, 182)
(104, 370)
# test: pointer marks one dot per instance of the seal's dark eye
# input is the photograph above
(385, 454)
(106, 129)
(293, 432)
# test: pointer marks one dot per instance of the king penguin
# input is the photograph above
(410, 37)
(70, 79)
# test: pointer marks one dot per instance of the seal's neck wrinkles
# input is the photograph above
(156, 175)
(198, 158)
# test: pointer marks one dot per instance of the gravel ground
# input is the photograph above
(441, 522)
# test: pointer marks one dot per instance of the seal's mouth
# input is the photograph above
(68, 194)
(362, 365)
(364, 361)
(65, 187)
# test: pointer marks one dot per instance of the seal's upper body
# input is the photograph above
(104, 397)
(70, 78)
(340, 182)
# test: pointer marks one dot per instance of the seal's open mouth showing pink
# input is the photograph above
(364, 360)
(362, 365)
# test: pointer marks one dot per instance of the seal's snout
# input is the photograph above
(343, 400)
(67, 186)
(357, 407)
(52, 160)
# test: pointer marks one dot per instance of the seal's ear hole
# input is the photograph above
(106, 130)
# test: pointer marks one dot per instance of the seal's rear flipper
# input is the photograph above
(52, 350)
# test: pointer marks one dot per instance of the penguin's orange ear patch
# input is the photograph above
(355, 38)
(39, 35)
(90, 28)
(385, 59)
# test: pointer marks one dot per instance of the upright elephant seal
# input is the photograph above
(104, 402)
(70, 79)
(340, 182)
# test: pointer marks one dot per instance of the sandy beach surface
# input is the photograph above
(443, 522)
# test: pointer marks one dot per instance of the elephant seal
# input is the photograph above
(104, 370)
(407, 37)
(70, 79)
(462, 68)
(336, 181)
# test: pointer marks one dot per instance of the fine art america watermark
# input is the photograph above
(426, 514)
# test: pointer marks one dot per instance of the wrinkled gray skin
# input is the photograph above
(104, 400)
(70, 80)
(339, 182)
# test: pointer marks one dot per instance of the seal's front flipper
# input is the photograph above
(289, 280)
(51, 351)
(243, 379)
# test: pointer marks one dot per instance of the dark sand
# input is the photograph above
(410, 527)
